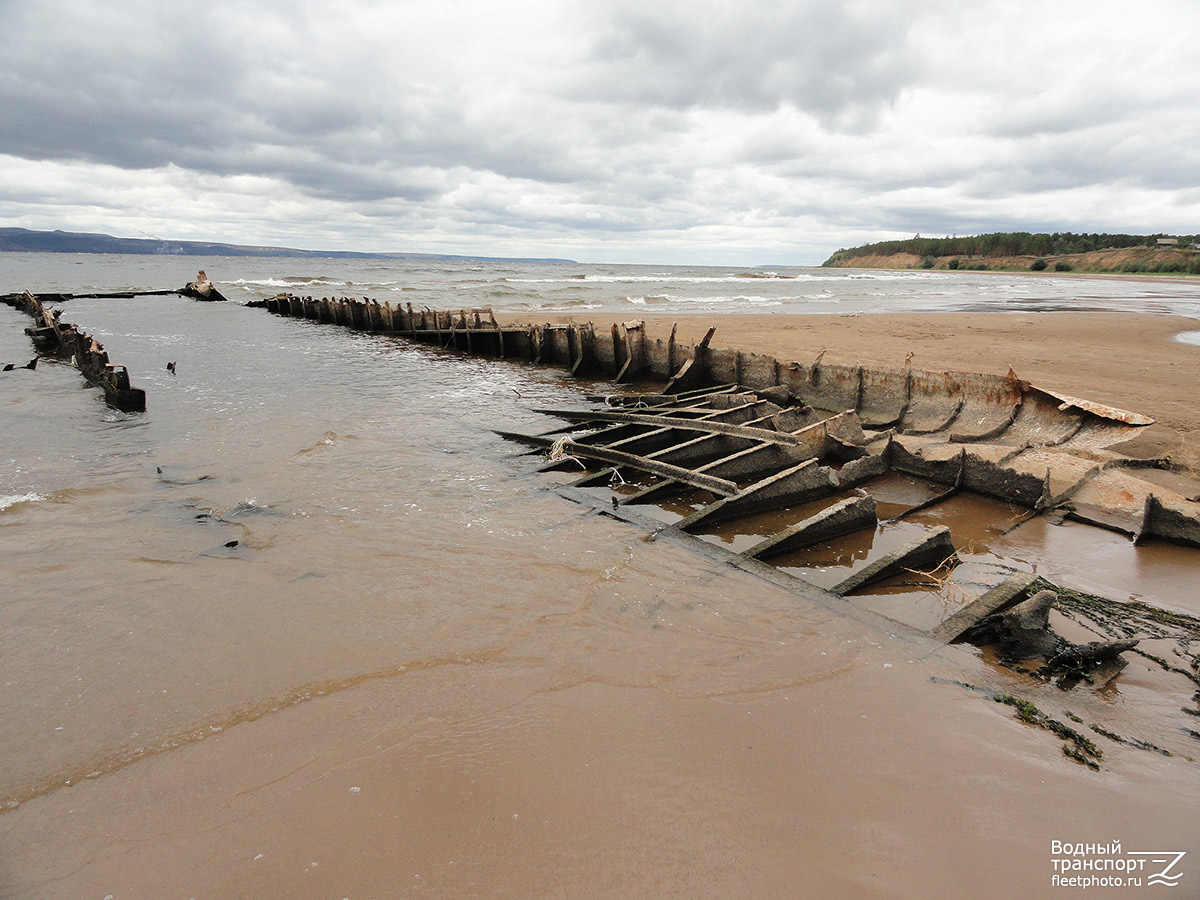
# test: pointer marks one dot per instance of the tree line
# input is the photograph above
(1009, 243)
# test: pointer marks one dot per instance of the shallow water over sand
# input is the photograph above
(418, 673)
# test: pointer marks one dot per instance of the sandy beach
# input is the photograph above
(1130, 361)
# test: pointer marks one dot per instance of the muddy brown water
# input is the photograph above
(420, 673)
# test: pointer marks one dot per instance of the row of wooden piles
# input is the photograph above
(62, 339)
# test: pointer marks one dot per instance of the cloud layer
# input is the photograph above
(696, 132)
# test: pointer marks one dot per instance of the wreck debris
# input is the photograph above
(997, 599)
(793, 485)
(849, 515)
(743, 434)
(643, 463)
(59, 297)
(994, 435)
(1022, 630)
(85, 352)
(1097, 662)
(202, 289)
(933, 550)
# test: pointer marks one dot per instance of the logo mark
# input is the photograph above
(1166, 858)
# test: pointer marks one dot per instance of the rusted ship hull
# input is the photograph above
(994, 435)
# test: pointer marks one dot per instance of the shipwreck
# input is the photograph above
(53, 337)
(798, 448)
(836, 482)
(772, 465)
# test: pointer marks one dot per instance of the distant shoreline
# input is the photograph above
(23, 240)
(1144, 260)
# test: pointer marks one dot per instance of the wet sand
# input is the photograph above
(669, 728)
(491, 789)
(834, 765)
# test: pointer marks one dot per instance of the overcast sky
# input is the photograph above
(752, 131)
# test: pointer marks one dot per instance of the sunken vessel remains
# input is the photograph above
(714, 438)
(829, 480)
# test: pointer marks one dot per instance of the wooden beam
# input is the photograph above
(930, 550)
(852, 514)
(700, 425)
(1008, 593)
(720, 486)
(691, 372)
(806, 481)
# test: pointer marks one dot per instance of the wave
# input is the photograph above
(731, 299)
(63, 495)
(328, 439)
(887, 275)
(733, 278)
(559, 306)
(308, 281)
(14, 499)
(535, 301)
(288, 281)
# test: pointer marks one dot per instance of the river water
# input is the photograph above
(580, 288)
(417, 673)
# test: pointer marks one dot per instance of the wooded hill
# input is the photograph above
(1062, 252)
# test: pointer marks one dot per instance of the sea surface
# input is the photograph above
(308, 627)
(580, 288)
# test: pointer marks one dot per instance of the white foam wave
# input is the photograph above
(732, 299)
(731, 278)
(266, 282)
(14, 499)
(298, 281)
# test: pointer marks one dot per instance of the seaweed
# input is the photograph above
(1131, 619)
(1132, 742)
(1192, 676)
(1126, 619)
(1079, 749)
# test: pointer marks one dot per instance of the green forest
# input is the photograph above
(1011, 243)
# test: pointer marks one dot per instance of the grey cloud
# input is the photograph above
(833, 60)
(216, 107)
(1048, 116)
(608, 121)
(312, 118)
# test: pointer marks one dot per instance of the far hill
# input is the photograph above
(1022, 251)
(25, 241)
